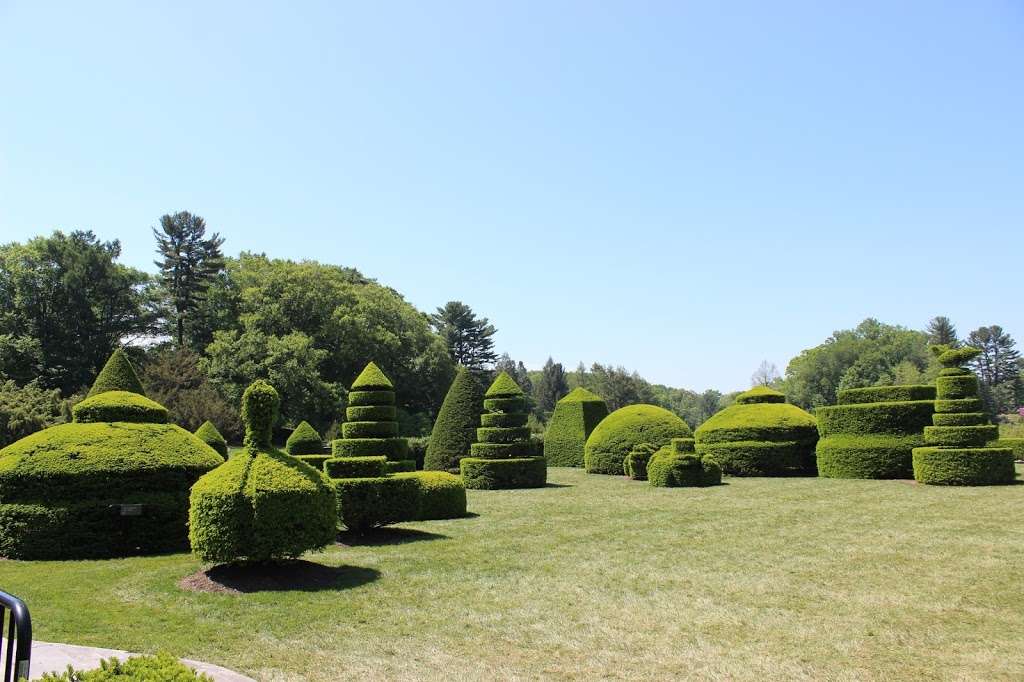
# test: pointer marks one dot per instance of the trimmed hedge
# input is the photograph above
(368, 398)
(492, 419)
(371, 413)
(315, 461)
(209, 434)
(574, 419)
(117, 375)
(875, 456)
(441, 495)
(955, 453)
(624, 429)
(395, 449)
(497, 474)
(506, 405)
(355, 467)
(304, 440)
(399, 466)
(366, 503)
(760, 435)
(261, 504)
(1015, 444)
(897, 418)
(635, 464)
(455, 428)
(119, 406)
(370, 429)
(677, 466)
(887, 394)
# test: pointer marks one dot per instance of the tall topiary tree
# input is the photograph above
(574, 419)
(954, 451)
(371, 429)
(209, 434)
(455, 428)
(261, 504)
(503, 457)
(304, 440)
(117, 375)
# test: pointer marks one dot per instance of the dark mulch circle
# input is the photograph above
(278, 576)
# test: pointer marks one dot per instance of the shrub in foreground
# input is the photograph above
(162, 667)
(677, 465)
(624, 429)
(574, 419)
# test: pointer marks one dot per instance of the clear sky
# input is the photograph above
(681, 188)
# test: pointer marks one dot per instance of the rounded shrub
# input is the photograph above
(101, 487)
(304, 440)
(574, 419)
(760, 435)
(872, 431)
(677, 465)
(209, 434)
(624, 429)
(261, 504)
(635, 464)
(455, 428)
(955, 452)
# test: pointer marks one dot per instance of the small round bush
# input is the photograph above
(624, 429)
(574, 419)
(209, 434)
(304, 440)
(678, 466)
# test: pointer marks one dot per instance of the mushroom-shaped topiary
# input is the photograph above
(261, 504)
(209, 434)
(574, 419)
(955, 451)
(677, 466)
(455, 428)
(114, 482)
(624, 429)
(304, 441)
(760, 435)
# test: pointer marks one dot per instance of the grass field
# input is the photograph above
(598, 577)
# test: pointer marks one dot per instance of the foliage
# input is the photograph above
(65, 305)
(26, 409)
(998, 366)
(455, 428)
(367, 436)
(635, 464)
(117, 375)
(174, 378)
(941, 331)
(575, 417)
(441, 495)
(355, 467)
(120, 406)
(469, 340)
(1016, 445)
(159, 668)
(500, 474)
(189, 262)
(209, 434)
(519, 374)
(624, 429)
(677, 466)
(304, 440)
(366, 503)
(551, 387)
(767, 374)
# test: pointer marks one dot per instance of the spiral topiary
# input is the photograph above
(677, 465)
(624, 429)
(370, 428)
(760, 435)
(574, 419)
(261, 504)
(955, 451)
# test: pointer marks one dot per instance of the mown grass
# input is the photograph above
(602, 578)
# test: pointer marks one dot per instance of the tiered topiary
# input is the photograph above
(304, 440)
(209, 434)
(574, 419)
(371, 429)
(503, 456)
(114, 482)
(1016, 445)
(625, 428)
(872, 431)
(261, 504)
(677, 465)
(635, 464)
(955, 451)
(455, 428)
(760, 435)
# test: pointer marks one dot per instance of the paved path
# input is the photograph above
(55, 658)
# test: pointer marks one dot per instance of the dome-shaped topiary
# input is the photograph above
(117, 375)
(955, 451)
(455, 428)
(624, 429)
(677, 466)
(115, 482)
(209, 434)
(759, 435)
(574, 419)
(261, 504)
(304, 440)
(872, 431)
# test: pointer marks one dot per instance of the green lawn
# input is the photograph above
(600, 577)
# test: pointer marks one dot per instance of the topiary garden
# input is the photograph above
(624, 429)
(370, 428)
(760, 435)
(872, 431)
(955, 451)
(503, 455)
(574, 419)
(455, 427)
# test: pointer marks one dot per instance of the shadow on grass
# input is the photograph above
(386, 536)
(559, 485)
(278, 576)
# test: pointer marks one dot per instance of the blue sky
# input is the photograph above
(681, 188)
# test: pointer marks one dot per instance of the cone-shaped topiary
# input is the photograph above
(261, 504)
(117, 375)
(114, 482)
(872, 431)
(455, 428)
(370, 429)
(503, 456)
(209, 434)
(677, 466)
(760, 435)
(304, 440)
(624, 429)
(955, 451)
(574, 419)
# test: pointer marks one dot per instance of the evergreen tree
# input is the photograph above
(551, 387)
(941, 331)
(469, 339)
(518, 371)
(188, 263)
(997, 367)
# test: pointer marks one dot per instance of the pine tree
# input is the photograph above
(188, 263)
(941, 331)
(551, 387)
(469, 339)
(997, 366)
